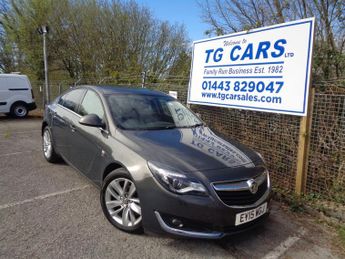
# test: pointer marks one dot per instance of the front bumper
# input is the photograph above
(201, 217)
(209, 234)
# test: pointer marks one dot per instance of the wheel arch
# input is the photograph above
(111, 167)
(18, 102)
(44, 124)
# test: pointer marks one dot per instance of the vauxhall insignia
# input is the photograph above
(253, 186)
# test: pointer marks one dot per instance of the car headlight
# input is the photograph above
(174, 181)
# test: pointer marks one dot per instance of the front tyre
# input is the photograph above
(120, 202)
(48, 148)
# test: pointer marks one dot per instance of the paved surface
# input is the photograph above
(51, 211)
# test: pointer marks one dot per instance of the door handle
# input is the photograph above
(72, 127)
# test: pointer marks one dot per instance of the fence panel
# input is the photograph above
(56, 87)
(326, 167)
(274, 136)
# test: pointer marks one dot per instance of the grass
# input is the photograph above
(295, 202)
(341, 234)
(315, 200)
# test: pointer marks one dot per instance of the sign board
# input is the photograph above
(266, 69)
(173, 94)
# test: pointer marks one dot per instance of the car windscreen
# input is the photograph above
(145, 112)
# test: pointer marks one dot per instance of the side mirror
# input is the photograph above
(91, 120)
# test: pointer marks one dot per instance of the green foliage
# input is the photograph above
(179, 72)
(19, 24)
(338, 192)
(296, 203)
(341, 234)
(89, 40)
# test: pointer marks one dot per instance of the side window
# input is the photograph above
(91, 104)
(62, 99)
(71, 100)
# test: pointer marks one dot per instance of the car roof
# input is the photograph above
(106, 90)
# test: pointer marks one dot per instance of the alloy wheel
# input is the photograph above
(122, 202)
(47, 144)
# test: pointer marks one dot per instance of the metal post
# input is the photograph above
(46, 68)
(60, 86)
(43, 30)
(143, 78)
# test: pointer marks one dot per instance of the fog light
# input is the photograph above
(177, 223)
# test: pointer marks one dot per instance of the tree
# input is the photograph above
(90, 39)
(180, 70)
(226, 16)
(20, 21)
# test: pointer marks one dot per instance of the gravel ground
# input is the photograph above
(51, 211)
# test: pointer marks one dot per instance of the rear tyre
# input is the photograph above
(48, 148)
(19, 110)
(120, 202)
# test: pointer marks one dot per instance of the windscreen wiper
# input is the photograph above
(161, 127)
(192, 126)
(169, 127)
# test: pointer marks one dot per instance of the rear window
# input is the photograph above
(72, 99)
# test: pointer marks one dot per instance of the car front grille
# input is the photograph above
(239, 193)
(241, 198)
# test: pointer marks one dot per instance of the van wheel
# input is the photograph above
(19, 110)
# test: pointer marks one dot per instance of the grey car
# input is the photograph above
(158, 166)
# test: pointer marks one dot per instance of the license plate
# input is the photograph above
(250, 215)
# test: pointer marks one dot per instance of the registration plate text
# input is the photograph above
(250, 215)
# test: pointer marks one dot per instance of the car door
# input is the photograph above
(62, 122)
(88, 148)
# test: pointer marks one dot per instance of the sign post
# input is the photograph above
(266, 69)
(303, 147)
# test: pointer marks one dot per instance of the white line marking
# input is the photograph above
(42, 197)
(285, 245)
(18, 153)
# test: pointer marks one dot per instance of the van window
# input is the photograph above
(72, 99)
(14, 83)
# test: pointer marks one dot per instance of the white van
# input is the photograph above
(16, 96)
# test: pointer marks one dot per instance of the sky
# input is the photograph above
(182, 11)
